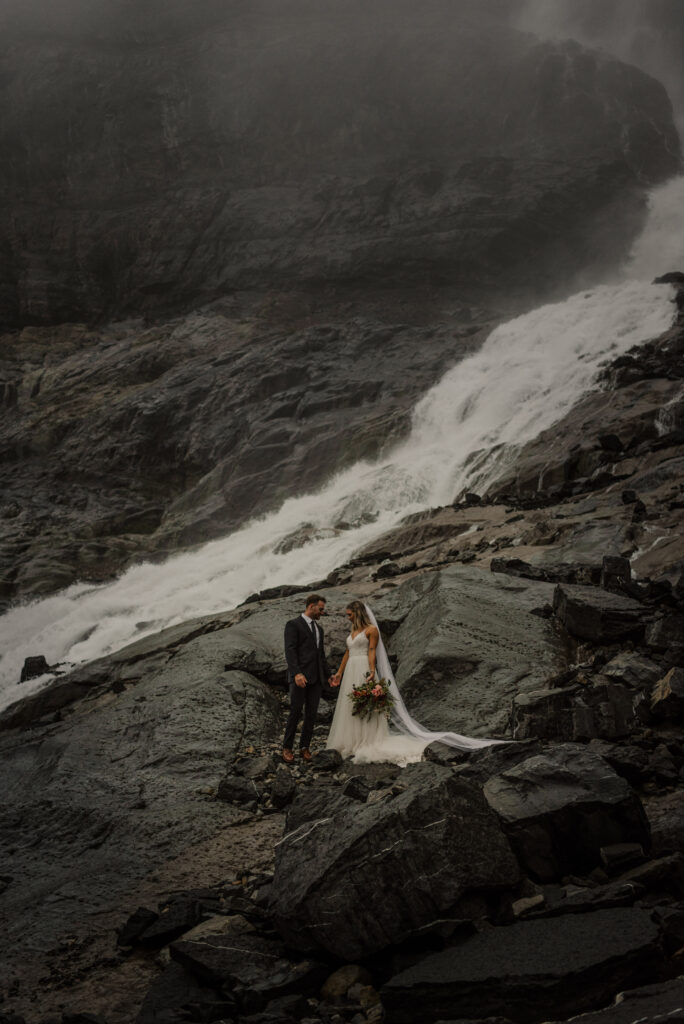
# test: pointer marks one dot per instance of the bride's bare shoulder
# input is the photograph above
(372, 631)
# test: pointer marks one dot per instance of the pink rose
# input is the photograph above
(377, 691)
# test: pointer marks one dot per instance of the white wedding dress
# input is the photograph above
(366, 739)
(370, 740)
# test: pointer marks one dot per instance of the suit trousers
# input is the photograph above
(304, 698)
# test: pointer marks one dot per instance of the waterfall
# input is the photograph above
(529, 372)
(465, 431)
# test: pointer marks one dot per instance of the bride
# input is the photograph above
(370, 739)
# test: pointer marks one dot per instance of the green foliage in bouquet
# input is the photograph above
(372, 698)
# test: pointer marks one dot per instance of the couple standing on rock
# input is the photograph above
(366, 739)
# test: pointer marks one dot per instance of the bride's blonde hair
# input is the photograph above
(359, 615)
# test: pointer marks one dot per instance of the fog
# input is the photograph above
(646, 33)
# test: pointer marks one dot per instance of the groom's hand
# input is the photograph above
(300, 679)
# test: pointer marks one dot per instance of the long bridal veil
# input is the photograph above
(402, 719)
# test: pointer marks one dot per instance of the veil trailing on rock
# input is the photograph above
(402, 719)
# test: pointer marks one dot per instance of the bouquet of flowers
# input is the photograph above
(372, 698)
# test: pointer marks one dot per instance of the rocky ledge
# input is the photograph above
(163, 865)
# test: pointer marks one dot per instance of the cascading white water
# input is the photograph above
(466, 429)
(661, 243)
(528, 373)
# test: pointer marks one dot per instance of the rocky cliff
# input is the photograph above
(364, 194)
(152, 164)
(162, 865)
(233, 254)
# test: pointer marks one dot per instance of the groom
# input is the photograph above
(307, 668)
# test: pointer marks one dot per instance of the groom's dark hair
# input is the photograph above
(314, 599)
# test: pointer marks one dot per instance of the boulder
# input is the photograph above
(327, 760)
(667, 634)
(619, 856)
(283, 788)
(593, 614)
(667, 697)
(33, 667)
(616, 574)
(663, 877)
(360, 878)
(628, 760)
(235, 789)
(661, 1001)
(136, 924)
(583, 899)
(257, 968)
(479, 646)
(340, 981)
(563, 572)
(605, 709)
(530, 971)
(560, 807)
(172, 991)
(633, 670)
(176, 917)
(357, 788)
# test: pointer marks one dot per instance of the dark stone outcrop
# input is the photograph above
(34, 667)
(123, 783)
(174, 990)
(480, 646)
(660, 1001)
(563, 573)
(603, 709)
(667, 698)
(593, 614)
(531, 971)
(429, 846)
(632, 669)
(560, 807)
(180, 200)
(256, 968)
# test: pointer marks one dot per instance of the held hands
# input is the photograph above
(300, 680)
(335, 680)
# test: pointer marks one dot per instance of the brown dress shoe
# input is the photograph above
(306, 754)
(288, 756)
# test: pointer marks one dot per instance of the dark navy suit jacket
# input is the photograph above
(303, 655)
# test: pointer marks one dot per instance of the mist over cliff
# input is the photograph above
(158, 156)
(646, 33)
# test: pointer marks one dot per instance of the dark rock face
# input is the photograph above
(123, 782)
(663, 1000)
(594, 614)
(314, 160)
(604, 709)
(323, 895)
(128, 441)
(559, 808)
(667, 699)
(34, 667)
(480, 646)
(257, 965)
(531, 971)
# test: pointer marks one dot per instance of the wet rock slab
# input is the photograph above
(531, 971)
(663, 1001)
(591, 613)
(360, 877)
(560, 807)
(467, 644)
